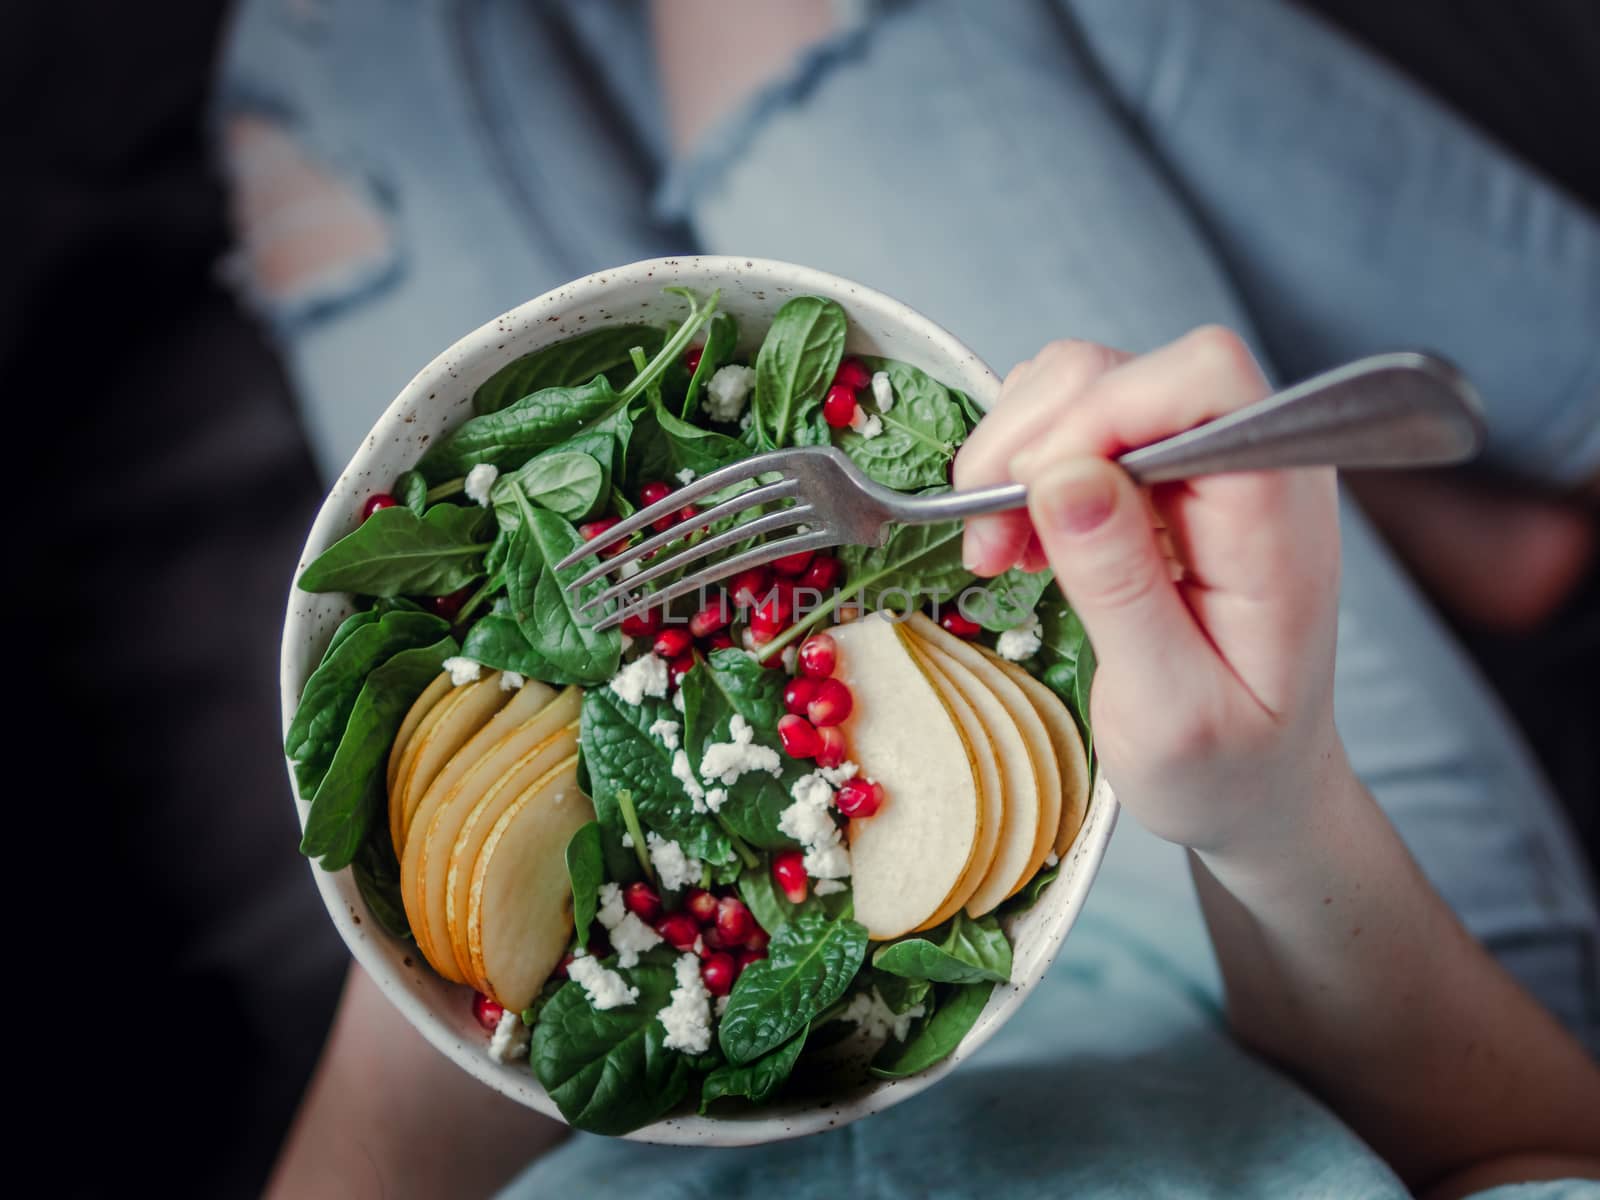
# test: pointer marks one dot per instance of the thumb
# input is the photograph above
(1096, 531)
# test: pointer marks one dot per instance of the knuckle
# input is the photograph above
(1076, 358)
(1222, 352)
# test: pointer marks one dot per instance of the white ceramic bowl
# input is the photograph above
(436, 401)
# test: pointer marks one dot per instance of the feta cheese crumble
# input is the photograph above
(687, 1018)
(882, 390)
(729, 392)
(1051, 859)
(462, 670)
(684, 774)
(479, 481)
(876, 1019)
(629, 569)
(716, 798)
(510, 1041)
(677, 699)
(868, 425)
(726, 762)
(809, 821)
(1021, 642)
(644, 676)
(510, 681)
(630, 937)
(603, 986)
(828, 887)
(673, 867)
(666, 732)
(685, 476)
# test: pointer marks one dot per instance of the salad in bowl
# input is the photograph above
(781, 849)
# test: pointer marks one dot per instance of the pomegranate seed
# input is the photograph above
(954, 622)
(448, 606)
(793, 564)
(757, 940)
(800, 692)
(839, 408)
(662, 524)
(561, 967)
(719, 641)
(819, 654)
(701, 905)
(376, 501)
(831, 704)
(593, 529)
(642, 900)
(691, 358)
(822, 574)
(799, 737)
(789, 873)
(672, 642)
(718, 972)
(688, 512)
(711, 942)
(833, 750)
(746, 957)
(771, 617)
(486, 1010)
(749, 586)
(679, 667)
(678, 930)
(653, 493)
(858, 797)
(734, 922)
(853, 373)
(713, 618)
(645, 624)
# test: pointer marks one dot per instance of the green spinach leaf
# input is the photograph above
(936, 1035)
(755, 1081)
(586, 871)
(411, 489)
(920, 432)
(495, 641)
(577, 360)
(664, 445)
(1029, 895)
(377, 875)
(394, 552)
(569, 483)
(512, 435)
(544, 610)
(809, 964)
(722, 337)
(794, 368)
(766, 901)
(968, 952)
(901, 994)
(969, 408)
(1065, 653)
(919, 564)
(1007, 600)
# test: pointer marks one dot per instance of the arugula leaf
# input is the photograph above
(544, 610)
(586, 871)
(411, 489)
(610, 1071)
(1007, 600)
(576, 360)
(569, 483)
(756, 1081)
(1029, 895)
(722, 337)
(935, 1035)
(358, 645)
(394, 552)
(794, 368)
(346, 799)
(970, 951)
(919, 564)
(920, 432)
(809, 964)
(377, 873)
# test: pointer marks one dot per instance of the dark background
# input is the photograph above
(183, 963)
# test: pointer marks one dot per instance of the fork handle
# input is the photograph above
(1403, 409)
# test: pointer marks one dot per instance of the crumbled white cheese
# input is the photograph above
(837, 775)
(746, 421)
(726, 762)
(629, 569)
(666, 732)
(510, 681)
(830, 861)
(685, 476)
(809, 821)
(1021, 642)
(716, 798)
(684, 774)
(673, 867)
(882, 390)
(630, 937)
(1051, 859)
(868, 425)
(876, 1019)
(510, 1041)
(729, 392)
(644, 676)
(790, 656)
(462, 670)
(677, 699)
(687, 1018)
(722, 1004)
(479, 480)
(604, 987)
(828, 887)
(627, 841)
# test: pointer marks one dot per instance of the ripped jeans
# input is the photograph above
(1120, 170)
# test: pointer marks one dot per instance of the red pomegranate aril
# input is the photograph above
(839, 407)
(746, 957)
(643, 625)
(679, 667)
(713, 618)
(711, 942)
(799, 693)
(789, 873)
(749, 587)
(642, 900)
(691, 358)
(662, 524)
(672, 641)
(376, 501)
(593, 529)
(734, 922)
(653, 492)
(771, 617)
(701, 905)
(831, 704)
(822, 574)
(757, 941)
(819, 654)
(954, 622)
(448, 606)
(678, 930)
(853, 373)
(833, 748)
(486, 1010)
(561, 967)
(799, 737)
(858, 797)
(793, 564)
(719, 641)
(718, 971)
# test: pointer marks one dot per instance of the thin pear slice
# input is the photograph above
(519, 919)
(1071, 758)
(462, 713)
(986, 769)
(911, 855)
(408, 755)
(424, 703)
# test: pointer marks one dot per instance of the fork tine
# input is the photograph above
(729, 537)
(754, 557)
(780, 490)
(745, 468)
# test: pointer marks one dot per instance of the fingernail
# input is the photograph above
(974, 547)
(1076, 496)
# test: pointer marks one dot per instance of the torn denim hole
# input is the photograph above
(311, 237)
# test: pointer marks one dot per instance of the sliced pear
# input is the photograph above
(519, 912)
(408, 755)
(912, 854)
(462, 713)
(431, 695)
(1071, 758)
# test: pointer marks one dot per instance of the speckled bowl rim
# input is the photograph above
(397, 967)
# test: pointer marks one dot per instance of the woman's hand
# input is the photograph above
(1212, 604)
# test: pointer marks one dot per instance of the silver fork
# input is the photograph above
(1404, 409)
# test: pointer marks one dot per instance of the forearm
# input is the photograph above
(386, 1115)
(1343, 965)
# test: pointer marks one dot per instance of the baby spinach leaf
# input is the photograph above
(610, 1071)
(348, 626)
(1065, 653)
(346, 799)
(794, 368)
(934, 1036)
(664, 445)
(378, 877)
(919, 564)
(1005, 601)
(495, 641)
(901, 994)
(586, 871)
(545, 611)
(569, 483)
(969, 408)
(920, 432)
(755, 1081)
(411, 489)
(722, 337)
(809, 964)
(394, 552)
(1029, 895)
(512, 435)
(969, 951)
(576, 360)
(766, 901)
